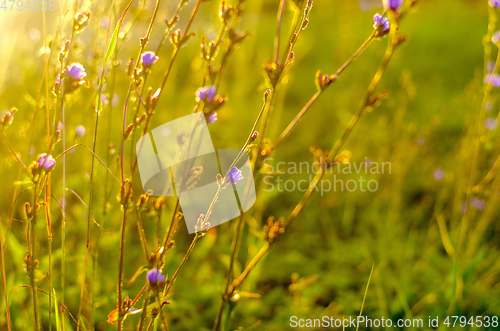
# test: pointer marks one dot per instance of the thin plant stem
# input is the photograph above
(488, 87)
(32, 245)
(366, 293)
(14, 153)
(7, 309)
(128, 193)
(297, 118)
(251, 265)
(336, 147)
(184, 259)
(278, 30)
(91, 184)
(239, 225)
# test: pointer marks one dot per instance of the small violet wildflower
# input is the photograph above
(155, 277)
(212, 118)
(234, 175)
(76, 71)
(47, 162)
(393, 4)
(494, 3)
(76, 77)
(205, 93)
(493, 80)
(148, 59)
(381, 23)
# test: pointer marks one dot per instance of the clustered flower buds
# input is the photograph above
(81, 21)
(64, 51)
(201, 226)
(151, 101)
(178, 40)
(322, 161)
(7, 116)
(225, 13)
(274, 228)
(209, 49)
(193, 178)
(273, 72)
(322, 81)
(28, 263)
(126, 193)
(75, 75)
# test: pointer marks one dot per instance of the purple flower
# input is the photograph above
(47, 162)
(234, 175)
(205, 93)
(80, 130)
(493, 80)
(496, 37)
(494, 3)
(212, 118)
(380, 22)
(76, 71)
(393, 4)
(155, 277)
(491, 123)
(148, 59)
(478, 204)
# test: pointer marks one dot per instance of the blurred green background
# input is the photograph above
(322, 263)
